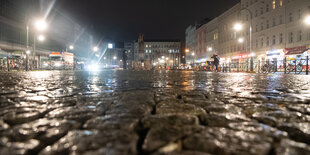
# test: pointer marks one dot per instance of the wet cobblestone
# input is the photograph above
(154, 112)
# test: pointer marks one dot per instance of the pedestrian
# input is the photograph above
(216, 61)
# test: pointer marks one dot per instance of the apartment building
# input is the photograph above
(270, 30)
(190, 43)
(155, 53)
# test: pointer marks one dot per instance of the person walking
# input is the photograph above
(216, 61)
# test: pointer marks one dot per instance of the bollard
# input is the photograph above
(252, 64)
(258, 67)
(238, 67)
(284, 65)
(8, 63)
(27, 62)
(307, 66)
(296, 66)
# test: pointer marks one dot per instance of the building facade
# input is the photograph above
(150, 54)
(190, 43)
(271, 30)
(228, 44)
(129, 52)
(201, 44)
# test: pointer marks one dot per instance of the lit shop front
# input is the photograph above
(297, 53)
(275, 57)
(241, 62)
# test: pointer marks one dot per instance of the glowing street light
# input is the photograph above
(187, 50)
(210, 49)
(110, 46)
(41, 37)
(28, 52)
(193, 54)
(95, 49)
(105, 58)
(238, 27)
(71, 47)
(114, 57)
(40, 25)
(307, 20)
(240, 40)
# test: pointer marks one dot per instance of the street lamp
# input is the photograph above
(40, 25)
(307, 20)
(28, 52)
(240, 40)
(41, 37)
(95, 49)
(71, 47)
(193, 54)
(238, 27)
(114, 57)
(110, 46)
(210, 49)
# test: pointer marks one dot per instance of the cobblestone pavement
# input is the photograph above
(158, 113)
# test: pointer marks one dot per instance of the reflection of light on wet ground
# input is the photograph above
(38, 98)
(40, 74)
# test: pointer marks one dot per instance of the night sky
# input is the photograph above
(123, 20)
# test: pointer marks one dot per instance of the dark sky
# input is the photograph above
(123, 20)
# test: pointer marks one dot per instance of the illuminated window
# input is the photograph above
(274, 4)
(215, 36)
(281, 2)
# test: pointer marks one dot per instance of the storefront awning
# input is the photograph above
(296, 50)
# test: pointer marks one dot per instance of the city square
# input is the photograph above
(154, 112)
(103, 77)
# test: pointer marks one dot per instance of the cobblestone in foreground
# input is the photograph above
(158, 113)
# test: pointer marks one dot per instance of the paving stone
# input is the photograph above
(153, 112)
(225, 141)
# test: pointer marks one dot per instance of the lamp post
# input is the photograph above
(239, 27)
(40, 26)
(307, 22)
(27, 60)
(193, 54)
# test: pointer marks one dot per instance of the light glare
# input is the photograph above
(95, 49)
(307, 20)
(40, 25)
(41, 37)
(238, 27)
